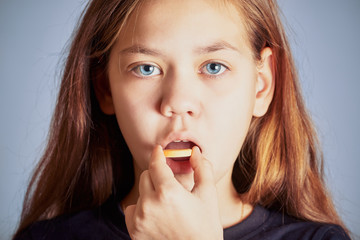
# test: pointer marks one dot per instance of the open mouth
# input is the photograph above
(179, 150)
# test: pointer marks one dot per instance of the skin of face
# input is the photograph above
(200, 83)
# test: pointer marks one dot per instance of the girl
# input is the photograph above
(144, 79)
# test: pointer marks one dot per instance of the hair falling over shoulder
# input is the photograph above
(86, 159)
(281, 164)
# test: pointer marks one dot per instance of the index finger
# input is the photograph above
(161, 174)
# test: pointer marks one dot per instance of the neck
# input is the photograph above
(232, 208)
(133, 195)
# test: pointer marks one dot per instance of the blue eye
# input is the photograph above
(146, 70)
(215, 68)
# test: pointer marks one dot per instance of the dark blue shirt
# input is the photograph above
(108, 223)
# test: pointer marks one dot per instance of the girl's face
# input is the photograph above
(183, 71)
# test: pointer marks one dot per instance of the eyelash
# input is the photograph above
(137, 70)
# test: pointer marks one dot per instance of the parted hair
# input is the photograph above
(86, 159)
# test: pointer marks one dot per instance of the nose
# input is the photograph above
(180, 96)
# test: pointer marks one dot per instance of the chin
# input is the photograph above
(186, 180)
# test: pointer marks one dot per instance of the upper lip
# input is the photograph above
(176, 136)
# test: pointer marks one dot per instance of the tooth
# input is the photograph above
(177, 141)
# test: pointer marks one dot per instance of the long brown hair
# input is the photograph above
(86, 159)
(281, 164)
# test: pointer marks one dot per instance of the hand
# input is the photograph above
(166, 210)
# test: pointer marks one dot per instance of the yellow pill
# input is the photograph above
(174, 153)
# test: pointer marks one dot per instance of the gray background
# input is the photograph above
(325, 38)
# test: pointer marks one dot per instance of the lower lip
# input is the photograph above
(179, 167)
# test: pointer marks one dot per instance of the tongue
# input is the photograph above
(180, 145)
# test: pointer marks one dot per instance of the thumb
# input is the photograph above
(203, 174)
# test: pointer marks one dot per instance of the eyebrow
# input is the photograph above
(140, 49)
(214, 47)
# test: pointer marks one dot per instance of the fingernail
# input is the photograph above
(196, 149)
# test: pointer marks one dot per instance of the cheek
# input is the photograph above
(136, 120)
(134, 105)
(232, 116)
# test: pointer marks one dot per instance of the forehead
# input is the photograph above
(184, 23)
